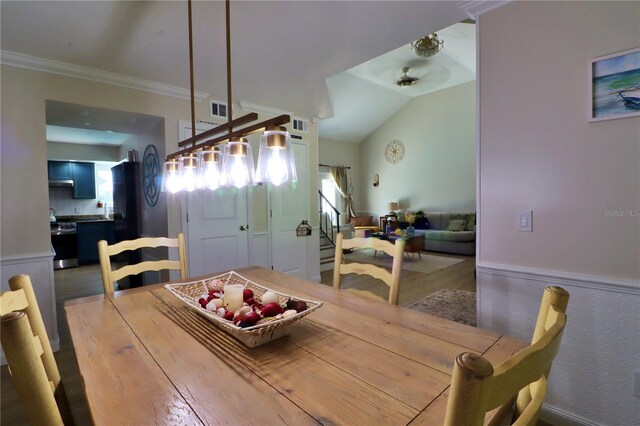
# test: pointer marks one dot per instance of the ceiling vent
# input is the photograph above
(300, 125)
(218, 109)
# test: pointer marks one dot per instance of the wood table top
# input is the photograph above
(147, 358)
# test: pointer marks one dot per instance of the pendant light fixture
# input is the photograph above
(205, 165)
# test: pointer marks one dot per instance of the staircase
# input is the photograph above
(329, 228)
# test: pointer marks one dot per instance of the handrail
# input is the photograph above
(327, 227)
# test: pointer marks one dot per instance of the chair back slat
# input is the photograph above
(29, 356)
(391, 279)
(109, 275)
(476, 387)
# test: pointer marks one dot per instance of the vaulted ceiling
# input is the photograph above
(283, 52)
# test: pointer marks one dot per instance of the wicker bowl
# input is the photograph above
(253, 336)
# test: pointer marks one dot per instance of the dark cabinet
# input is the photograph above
(83, 176)
(84, 180)
(89, 233)
(59, 170)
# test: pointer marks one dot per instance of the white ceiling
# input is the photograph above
(283, 53)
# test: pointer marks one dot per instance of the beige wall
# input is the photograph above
(336, 153)
(538, 151)
(437, 172)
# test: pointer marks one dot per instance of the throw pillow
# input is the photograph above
(457, 225)
(361, 220)
(421, 223)
(471, 224)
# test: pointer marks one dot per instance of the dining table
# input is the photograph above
(146, 357)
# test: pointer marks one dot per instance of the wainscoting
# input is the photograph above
(591, 381)
(39, 267)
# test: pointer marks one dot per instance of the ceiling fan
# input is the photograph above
(405, 80)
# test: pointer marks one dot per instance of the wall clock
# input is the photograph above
(151, 175)
(394, 152)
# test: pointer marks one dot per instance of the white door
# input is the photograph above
(215, 224)
(217, 230)
(289, 207)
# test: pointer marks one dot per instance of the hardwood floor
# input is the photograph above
(85, 281)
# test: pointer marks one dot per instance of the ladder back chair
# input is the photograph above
(518, 385)
(109, 275)
(27, 349)
(392, 279)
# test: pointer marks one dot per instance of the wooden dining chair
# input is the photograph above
(109, 276)
(27, 349)
(518, 385)
(392, 279)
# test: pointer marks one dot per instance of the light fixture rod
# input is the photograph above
(248, 118)
(229, 97)
(193, 103)
(276, 121)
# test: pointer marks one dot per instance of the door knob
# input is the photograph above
(244, 227)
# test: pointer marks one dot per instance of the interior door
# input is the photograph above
(217, 230)
(216, 225)
(289, 207)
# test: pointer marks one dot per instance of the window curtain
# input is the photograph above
(339, 175)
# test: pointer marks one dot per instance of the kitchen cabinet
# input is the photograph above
(59, 170)
(83, 176)
(84, 180)
(89, 233)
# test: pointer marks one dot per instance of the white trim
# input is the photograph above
(476, 8)
(478, 142)
(55, 67)
(561, 278)
(261, 109)
(555, 416)
(24, 258)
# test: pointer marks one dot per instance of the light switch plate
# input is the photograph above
(523, 221)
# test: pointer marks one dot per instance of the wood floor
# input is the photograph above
(78, 282)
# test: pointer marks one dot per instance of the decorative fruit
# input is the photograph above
(270, 297)
(298, 305)
(203, 302)
(250, 301)
(247, 294)
(398, 231)
(271, 310)
(229, 316)
(252, 318)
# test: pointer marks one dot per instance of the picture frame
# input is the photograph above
(614, 86)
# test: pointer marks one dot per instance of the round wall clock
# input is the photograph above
(394, 152)
(151, 175)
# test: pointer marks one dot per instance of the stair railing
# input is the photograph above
(329, 220)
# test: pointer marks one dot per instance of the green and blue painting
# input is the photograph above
(616, 86)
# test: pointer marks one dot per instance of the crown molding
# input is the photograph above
(55, 67)
(261, 109)
(476, 8)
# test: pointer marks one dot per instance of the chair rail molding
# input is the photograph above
(56, 67)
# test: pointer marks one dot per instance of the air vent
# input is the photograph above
(218, 109)
(301, 125)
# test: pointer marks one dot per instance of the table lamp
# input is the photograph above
(393, 205)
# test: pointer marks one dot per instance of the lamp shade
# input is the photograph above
(393, 205)
(209, 172)
(276, 163)
(189, 171)
(237, 164)
(170, 177)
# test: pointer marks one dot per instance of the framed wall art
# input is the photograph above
(615, 86)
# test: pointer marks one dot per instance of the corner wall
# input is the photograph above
(539, 152)
(437, 172)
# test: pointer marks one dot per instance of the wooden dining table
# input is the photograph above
(145, 357)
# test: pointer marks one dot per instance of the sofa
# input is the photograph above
(448, 232)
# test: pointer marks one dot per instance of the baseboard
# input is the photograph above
(557, 417)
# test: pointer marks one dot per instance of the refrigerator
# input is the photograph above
(126, 215)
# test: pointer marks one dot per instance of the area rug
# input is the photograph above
(411, 261)
(449, 303)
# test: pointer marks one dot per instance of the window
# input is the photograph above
(329, 191)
